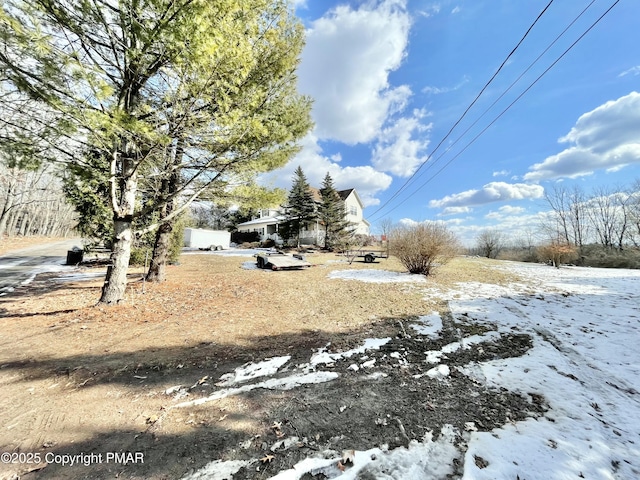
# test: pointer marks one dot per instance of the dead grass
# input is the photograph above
(65, 362)
(212, 299)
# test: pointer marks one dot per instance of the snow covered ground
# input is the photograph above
(585, 362)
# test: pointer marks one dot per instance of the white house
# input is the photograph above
(266, 222)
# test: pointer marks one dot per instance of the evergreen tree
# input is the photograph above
(301, 207)
(332, 214)
(206, 89)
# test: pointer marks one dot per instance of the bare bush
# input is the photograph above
(557, 253)
(423, 246)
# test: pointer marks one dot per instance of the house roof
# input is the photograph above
(315, 192)
(344, 194)
(263, 220)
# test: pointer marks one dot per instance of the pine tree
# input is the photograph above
(300, 209)
(331, 213)
(135, 78)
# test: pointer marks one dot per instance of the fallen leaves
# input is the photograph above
(267, 459)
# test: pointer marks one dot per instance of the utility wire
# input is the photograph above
(455, 142)
(486, 85)
(508, 107)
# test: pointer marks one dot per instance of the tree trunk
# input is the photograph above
(160, 254)
(169, 187)
(11, 223)
(24, 223)
(115, 282)
(4, 214)
(8, 205)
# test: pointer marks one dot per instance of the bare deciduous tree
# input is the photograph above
(386, 226)
(557, 198)
(490, 242)
(633, 209)
(32, 203)
(605, 215)
(570, 213)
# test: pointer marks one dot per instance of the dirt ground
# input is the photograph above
(77, 378)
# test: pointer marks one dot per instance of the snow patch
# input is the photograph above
(429, 326)
(426, 460)
(439, 372)
(285, 383)
(250, 371)
(323, 357)
(218, 470)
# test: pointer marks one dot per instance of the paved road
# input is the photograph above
(20, 266)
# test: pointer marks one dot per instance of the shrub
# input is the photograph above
(244, 237)
(599, 256)
(424, 246)
(557, 253)
(268, 243)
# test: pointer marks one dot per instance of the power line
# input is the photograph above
(507, 108)
(455, 142)
(486, 85)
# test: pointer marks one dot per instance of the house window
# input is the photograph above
(353, 210)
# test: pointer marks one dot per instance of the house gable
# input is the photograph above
(268, 219)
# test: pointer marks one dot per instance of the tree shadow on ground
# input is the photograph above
(175, 365)
(354, 411)
(49, 283)
(358, 409)
(153, 455)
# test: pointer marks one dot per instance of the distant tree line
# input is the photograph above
(32, 203)
(599, 228)
(607, 216)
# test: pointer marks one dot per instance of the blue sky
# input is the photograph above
(390, 78)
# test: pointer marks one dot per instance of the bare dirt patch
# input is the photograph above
(79, 378)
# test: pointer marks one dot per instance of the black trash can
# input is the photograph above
(74, 256)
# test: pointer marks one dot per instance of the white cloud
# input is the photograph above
(408, 222)
(505, 212)
(345, 68)
(365, 179)
(512, 226)
(451, 222)
(455, 211)
(632, 71)
(430, 10)
(510, 210)
(489, 193)
(438, 90)
(456, 9)
(607, 137)
(399, 151)
(501, 173)
(515, 226)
